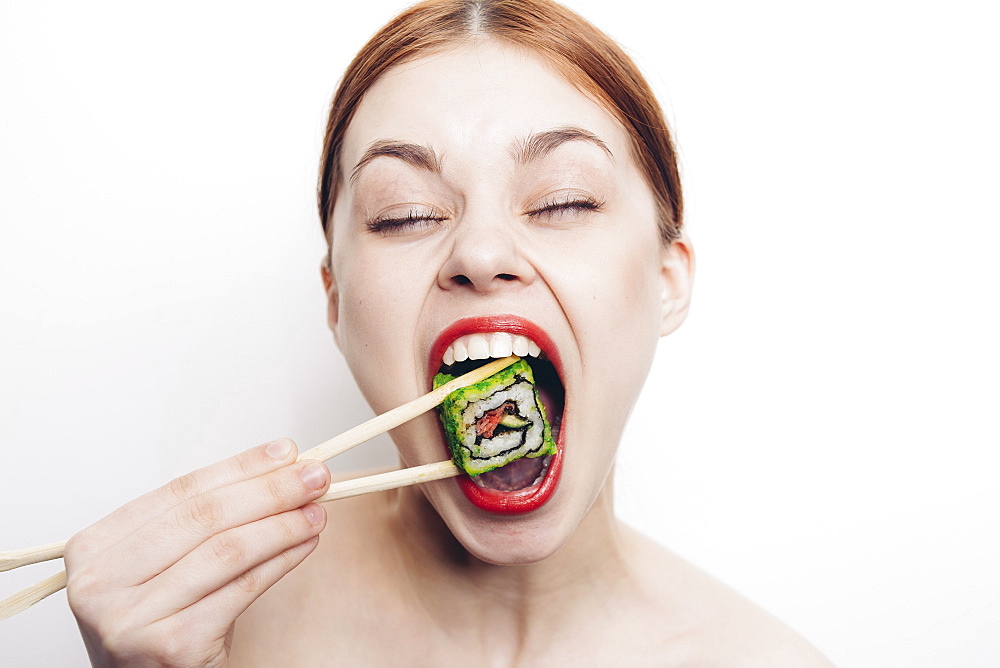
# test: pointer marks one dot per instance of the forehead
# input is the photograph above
(474, 99)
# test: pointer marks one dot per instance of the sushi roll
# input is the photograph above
(495, 421)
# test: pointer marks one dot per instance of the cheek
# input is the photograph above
(619, 289)
(378, 303)
(618, 315)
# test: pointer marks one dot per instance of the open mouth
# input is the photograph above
(501, 424)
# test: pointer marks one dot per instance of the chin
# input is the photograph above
(514, 540)
(529, 537)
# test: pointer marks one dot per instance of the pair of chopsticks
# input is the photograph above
(380, 424)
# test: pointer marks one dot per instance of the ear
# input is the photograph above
(677, 274)
(332, 297)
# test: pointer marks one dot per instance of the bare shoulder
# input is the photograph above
(711, 624)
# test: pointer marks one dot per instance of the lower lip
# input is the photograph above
(522, 500)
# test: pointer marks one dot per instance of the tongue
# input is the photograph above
(519, 474)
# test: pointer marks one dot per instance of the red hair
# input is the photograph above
(583, 54)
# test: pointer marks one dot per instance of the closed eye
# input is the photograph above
(413, 221)
(566, 206)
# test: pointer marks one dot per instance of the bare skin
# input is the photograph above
(421, 576)
(402, 591)
(564, 236)
(161, 580)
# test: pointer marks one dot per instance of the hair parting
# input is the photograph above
(587, 57)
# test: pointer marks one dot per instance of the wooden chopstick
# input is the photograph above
(28, 596)
(397, 416)
(327, 450)
(32, 555)
(390, 480)
(379, 482)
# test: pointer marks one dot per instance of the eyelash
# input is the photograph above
(388, 225)
(569, 205)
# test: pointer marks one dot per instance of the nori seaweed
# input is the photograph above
(450, 412)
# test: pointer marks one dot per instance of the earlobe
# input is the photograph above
(332, 297)
(677, 274)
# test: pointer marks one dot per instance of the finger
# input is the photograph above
(123, 522)
(214, 615)
(198, 635)
(166, 539)
(226, 556)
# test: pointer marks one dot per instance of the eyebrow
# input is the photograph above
(534, 147)
(540, 144)
(414, 154)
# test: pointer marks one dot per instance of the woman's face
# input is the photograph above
(484, 193)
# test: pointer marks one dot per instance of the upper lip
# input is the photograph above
(506, 322)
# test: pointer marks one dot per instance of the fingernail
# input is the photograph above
(278, 449)
(314, 475)
(314, 514)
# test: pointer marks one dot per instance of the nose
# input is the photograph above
(486, 256)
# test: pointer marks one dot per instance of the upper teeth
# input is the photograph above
(486, 345)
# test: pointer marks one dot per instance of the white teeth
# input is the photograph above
(545, 469)
(520, 345)
(478, 348)
(486, 345)
(501, 345)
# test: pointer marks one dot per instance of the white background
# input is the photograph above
(821, 434)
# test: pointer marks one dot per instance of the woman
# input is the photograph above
(492, 170)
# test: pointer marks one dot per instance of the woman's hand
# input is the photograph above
(162, 580)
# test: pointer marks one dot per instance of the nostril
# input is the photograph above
(464, 280)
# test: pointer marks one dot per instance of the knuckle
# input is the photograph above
(228, 550)
(168, 645)
(117, 636)
(288, 559)
(184, 487)
(204, 514)
(292, 528)
(276, 490)
(76, 547)
(251, 581)
(246, 464)
(82, 590)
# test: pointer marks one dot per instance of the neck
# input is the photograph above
(454, 587)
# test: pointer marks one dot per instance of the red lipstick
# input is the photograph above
(490, 500)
